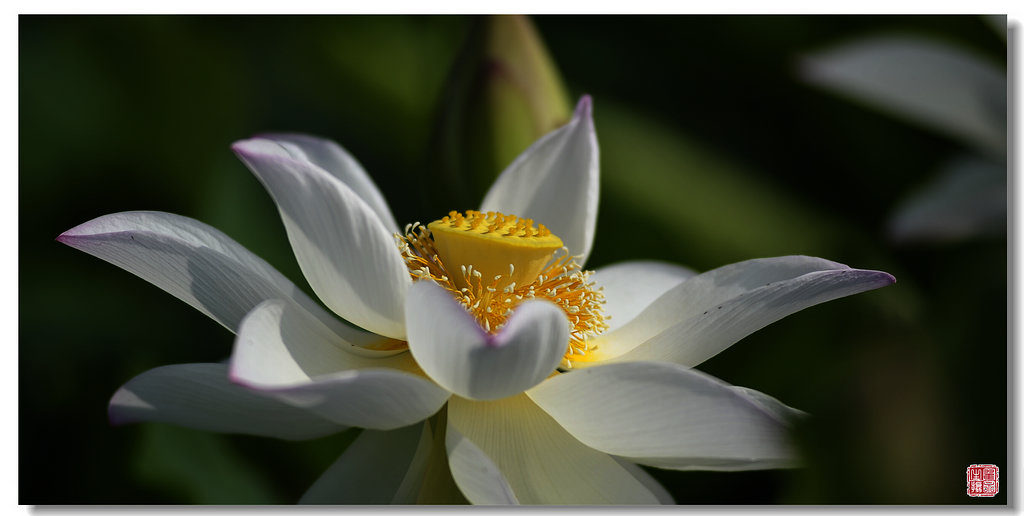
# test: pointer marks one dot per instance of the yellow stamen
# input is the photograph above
(491, 262)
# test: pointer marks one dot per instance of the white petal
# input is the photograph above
(377, 468)
(769, 404)
(645, 478)
(476, 475)
(665, 415)
(966, 199)
(709, 312)
(197, 264)
(279, 344)
(540, 461)
(335, 160)
(346, 253)
(555, 182)
(705, 335)
(458, 354)
(938, 84)
(629, 287)
(200, 396)
(289, 355)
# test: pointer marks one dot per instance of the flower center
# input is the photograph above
(508, 249)
(491, 262)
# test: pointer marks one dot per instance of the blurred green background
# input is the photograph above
(713, 149)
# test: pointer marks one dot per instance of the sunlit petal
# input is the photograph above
(540, 461)
(629, 287)
(707, 313)
(290, 356)
(665, 415)
(335, 160)
(346, 253)
(197, 264)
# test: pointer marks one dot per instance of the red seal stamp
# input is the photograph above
(982, 480)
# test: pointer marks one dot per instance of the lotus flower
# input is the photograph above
(483, 347)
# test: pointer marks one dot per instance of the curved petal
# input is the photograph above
(335, 160)
(200, 396)
(540, 460)
(645, 478)
(377, 468)
(278, 344)
(346, 253)
(289, 355)
(665, 415)
(629, 287)
(706, 314)
(458, 354)
(378, 399)
(555, 182)
(197, 264)
(476, 475)
(703, 336)
(780, 410)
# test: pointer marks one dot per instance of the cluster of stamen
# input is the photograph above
(491, 297)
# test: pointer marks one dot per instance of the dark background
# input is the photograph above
(713, 151)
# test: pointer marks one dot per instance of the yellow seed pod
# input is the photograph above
(494, 245)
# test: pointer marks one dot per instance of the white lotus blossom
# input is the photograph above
(480, 339)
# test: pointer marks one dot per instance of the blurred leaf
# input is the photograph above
(714, 209)
(945, 88)
(967, 198)
(200, 467)
(503, 94)
(398, 61)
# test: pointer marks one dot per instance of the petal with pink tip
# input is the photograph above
(458, 354)
(555, 182)
(346, 253)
